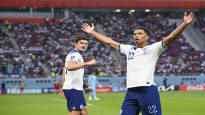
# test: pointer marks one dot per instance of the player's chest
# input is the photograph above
(139, 54)
(80, 60)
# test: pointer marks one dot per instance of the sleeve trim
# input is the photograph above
(163, 45)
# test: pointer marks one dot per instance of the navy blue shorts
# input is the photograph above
(75, 100)
(142, 99)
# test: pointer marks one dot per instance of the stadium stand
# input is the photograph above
(36, 50)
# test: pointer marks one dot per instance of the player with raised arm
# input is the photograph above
(73, 78)
(142, 94)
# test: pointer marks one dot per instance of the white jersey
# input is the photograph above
(74, 78)
(141, 63)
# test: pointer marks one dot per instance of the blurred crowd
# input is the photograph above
(39, 50)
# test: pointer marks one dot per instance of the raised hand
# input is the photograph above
(87, 28)
(188, 18)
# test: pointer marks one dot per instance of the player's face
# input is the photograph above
(82, 45)
(140, 36)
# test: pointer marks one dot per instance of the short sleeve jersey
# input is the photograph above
(141, 63)
(74, 78)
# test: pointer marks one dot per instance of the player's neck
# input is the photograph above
(142, 45)
(76, 49)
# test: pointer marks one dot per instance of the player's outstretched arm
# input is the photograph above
(72, 65)
(187, 20)
(102, 38)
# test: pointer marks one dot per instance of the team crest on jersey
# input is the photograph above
(72, 57)
(131, 55)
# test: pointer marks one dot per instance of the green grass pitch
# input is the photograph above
(173, 103)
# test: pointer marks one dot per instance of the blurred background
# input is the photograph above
(36, 35)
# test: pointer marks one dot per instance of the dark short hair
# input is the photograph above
(80, 38)
(142, 28)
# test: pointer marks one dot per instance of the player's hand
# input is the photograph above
(88, 28)
(188, 18)
(91, 62)
(61, 93)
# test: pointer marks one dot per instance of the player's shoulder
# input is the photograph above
(128, 46)
(159, 43)
(73, 53)
(156, 47)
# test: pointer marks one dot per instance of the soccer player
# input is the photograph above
(21, 86)
(3, 88)
(73, 78)
(142, 94)
(92, 84)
